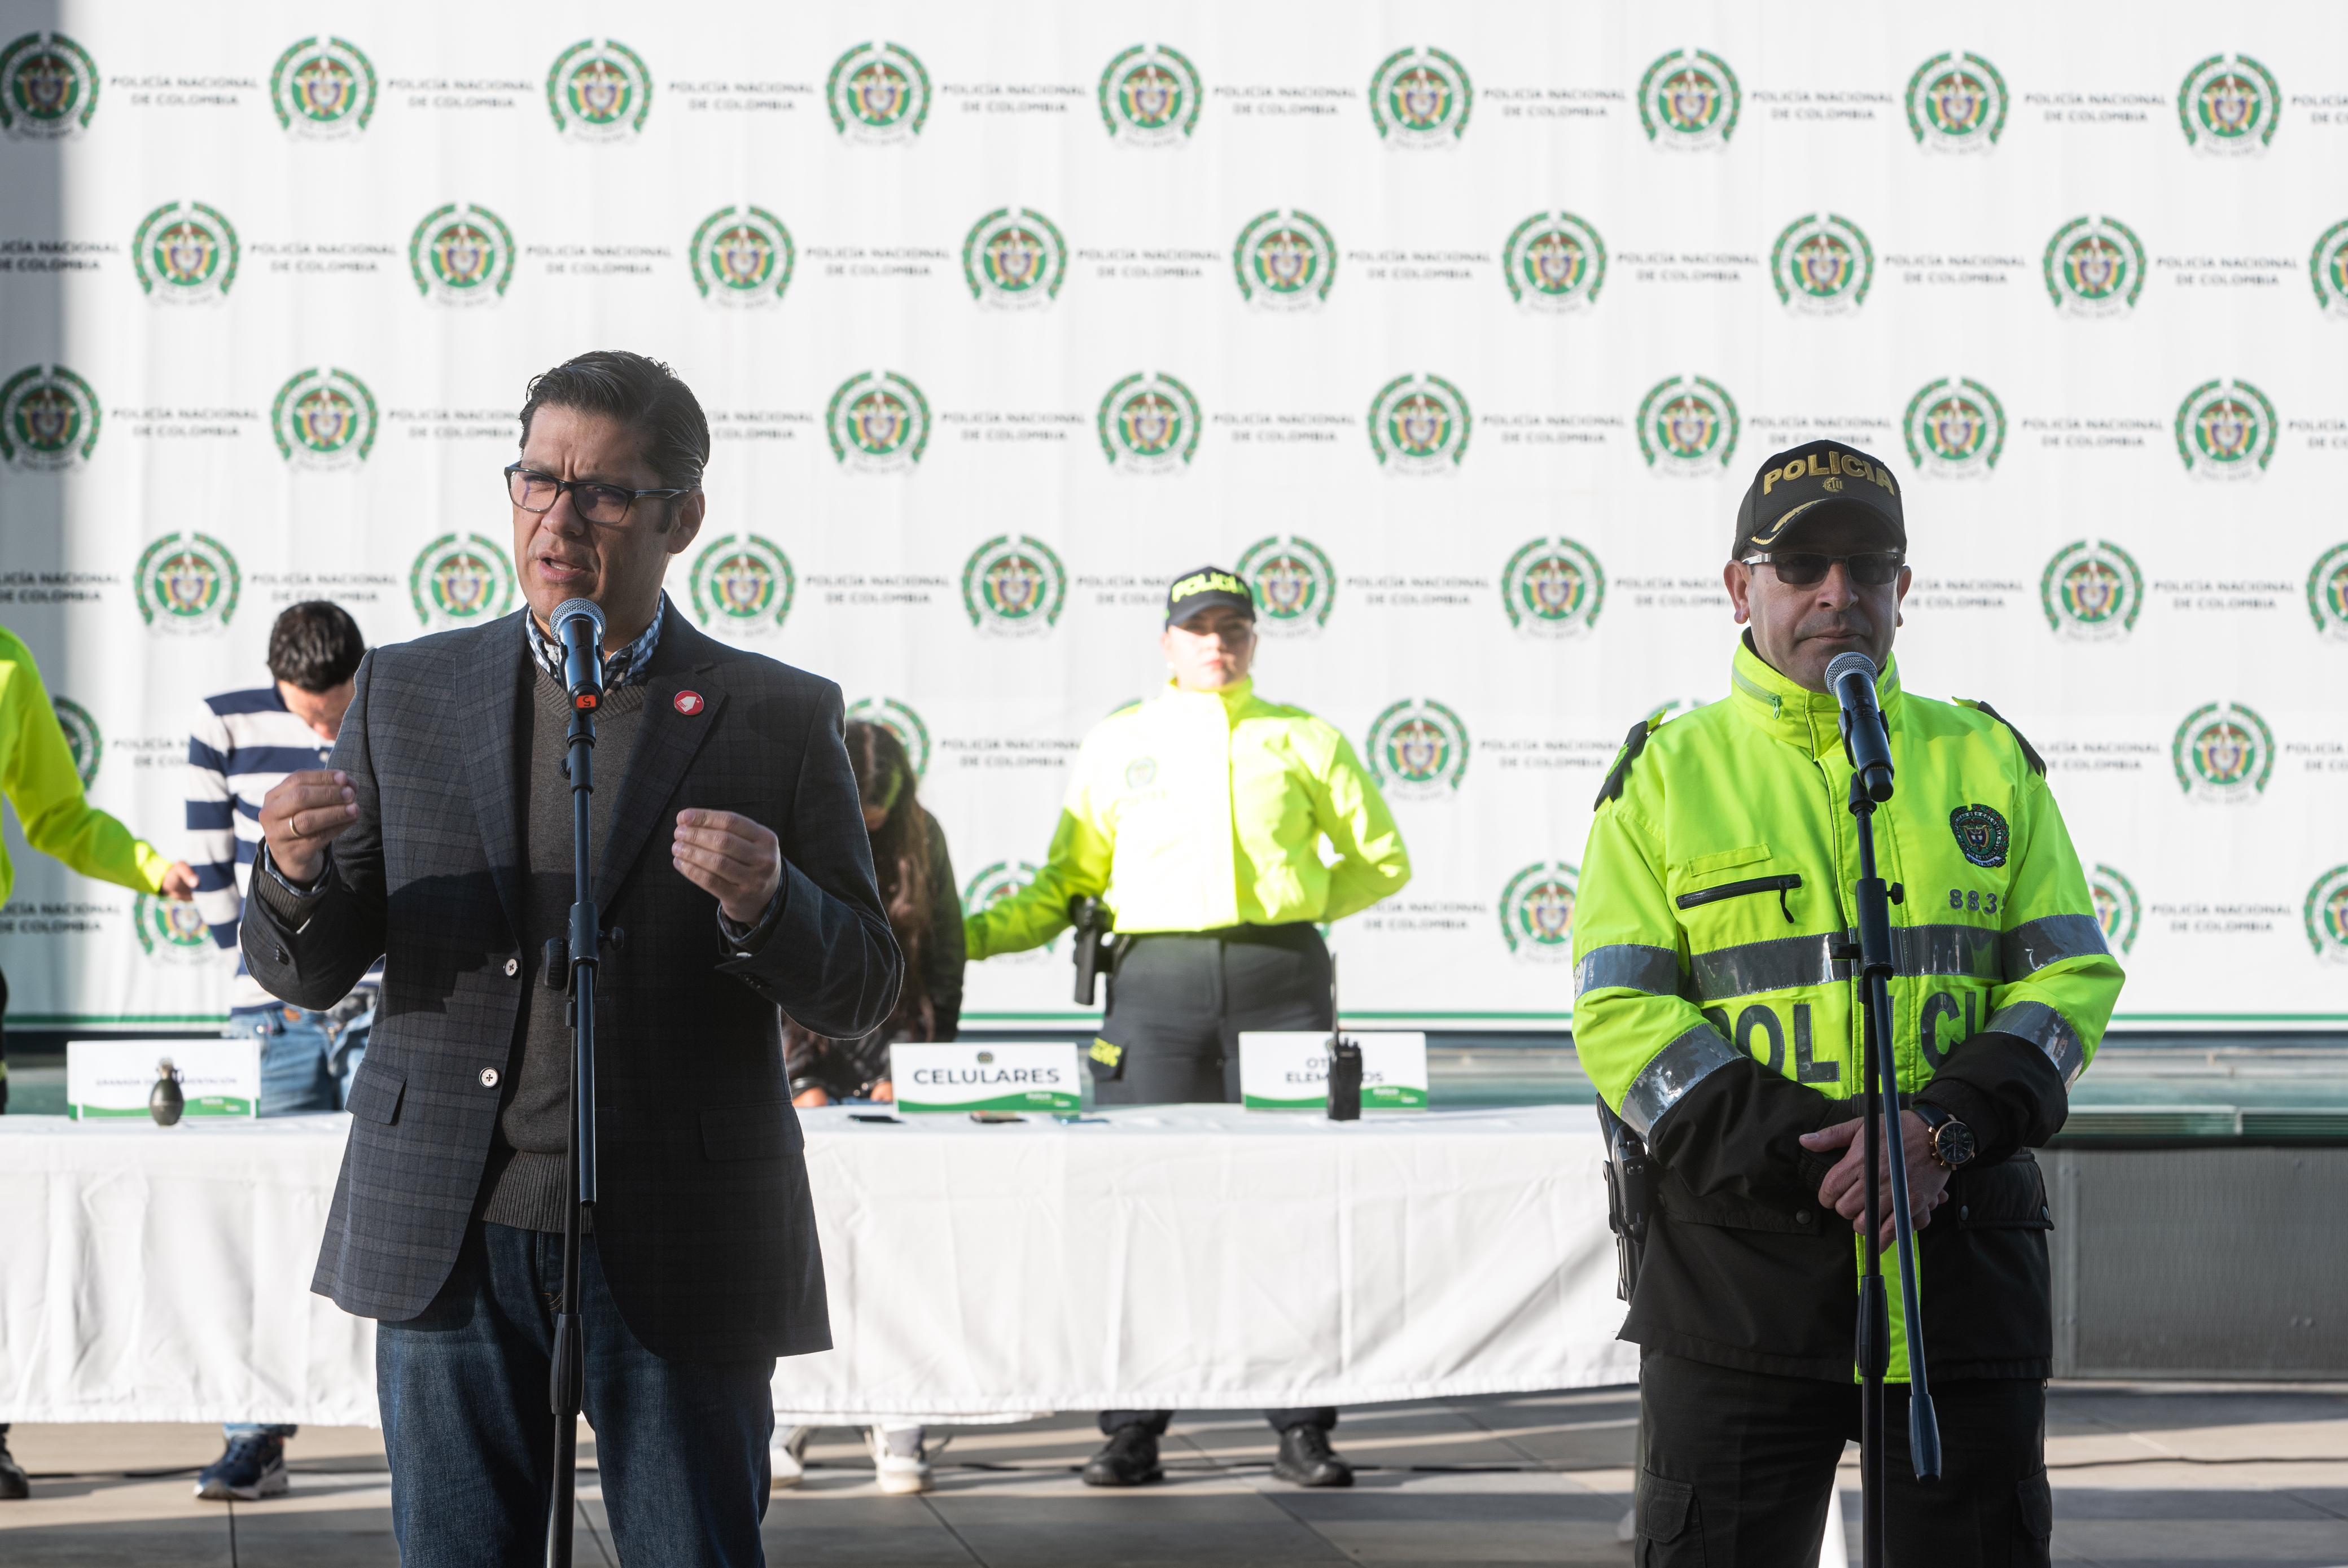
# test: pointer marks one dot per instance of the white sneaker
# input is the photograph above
(899, 1464)
(786, 1457)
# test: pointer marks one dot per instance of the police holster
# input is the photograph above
(1096, 953)
(1629, 1196)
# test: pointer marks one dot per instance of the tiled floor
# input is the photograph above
(2145, 1478)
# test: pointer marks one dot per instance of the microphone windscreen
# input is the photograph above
(570, 608)
(1842, 665)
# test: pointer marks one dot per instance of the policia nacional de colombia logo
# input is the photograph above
(1536, 912)
(2092, 592)
(1151, 97)
(1014, 586)
(1149, 424)
(82, 738)
(742, 256)
(599, 90)
(1687, 427)
(185, 252)
(1554, 262)
(1956, 103)
(1419, 425)
(1295, 585)
(460, 580)
(2229, 104)
(878, 423)
(743, 583)
(2094, 267)
(1554, 587)
(169, 930)
(1955, 429)
(2327, 593)
(2327, 271)
(900, 721)
(878, 94)
(1285, 261)
(1014, 259)
(323, 89)
(1689, 100)
(324, 418)
(1981, 835)
(188, 582)
(461, 254)
(2118, 909)
(1420, 98)
(1418, 750)
(2224, 752)
(48, 88)
(1822, 265)
(49, 419)
(2226, 429)
(2327, 915)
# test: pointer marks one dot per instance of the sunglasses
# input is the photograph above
(1804, 569)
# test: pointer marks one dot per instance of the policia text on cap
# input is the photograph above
(1714, 1017)
(1197, 818)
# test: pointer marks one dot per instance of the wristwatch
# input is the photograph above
(1952, 1140)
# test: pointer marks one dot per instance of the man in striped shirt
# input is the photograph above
(243, 743)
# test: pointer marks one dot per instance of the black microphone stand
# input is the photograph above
(568, 1377)
(1879, 1080)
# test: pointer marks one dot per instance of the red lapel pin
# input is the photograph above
(689, 703)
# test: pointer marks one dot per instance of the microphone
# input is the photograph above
(1851, 677)
(579, 627)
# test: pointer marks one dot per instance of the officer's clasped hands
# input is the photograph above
(1845, 1188)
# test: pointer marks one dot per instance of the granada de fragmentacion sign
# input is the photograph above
(947, 1078)
(1288, 1070)
(114, 1077)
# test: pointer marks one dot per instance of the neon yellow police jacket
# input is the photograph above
(1197, 810)
(1715, 1017)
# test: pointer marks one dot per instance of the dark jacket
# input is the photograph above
(704, 1225)
(848, 1069)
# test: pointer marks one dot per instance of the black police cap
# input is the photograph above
(1204, 588)
(1815, 481)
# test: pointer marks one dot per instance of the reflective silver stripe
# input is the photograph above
(2032, 946)
(1630, 967)
(1675, 1069)
(1787, 962)
(2047, 1029)
(1776, 965)
(1967, 950)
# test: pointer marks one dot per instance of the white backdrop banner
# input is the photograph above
(1459, 332)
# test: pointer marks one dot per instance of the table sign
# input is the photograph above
(114, 1077)
(1288, 1070)
(1045, 1077)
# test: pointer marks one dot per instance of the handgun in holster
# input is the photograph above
(1629, 1196)
(1096, 956)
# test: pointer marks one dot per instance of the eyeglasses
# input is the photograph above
(606, 506)
(1804, 569)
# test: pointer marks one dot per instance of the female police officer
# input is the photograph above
(1197, 818)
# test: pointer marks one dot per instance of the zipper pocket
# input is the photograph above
(1781, 886)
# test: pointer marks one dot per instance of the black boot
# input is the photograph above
(1128, 1458)
(14, 1487)
(1305, 1459)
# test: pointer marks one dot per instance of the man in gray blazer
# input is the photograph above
(735, 879)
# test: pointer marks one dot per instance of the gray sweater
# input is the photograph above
(523, 1185)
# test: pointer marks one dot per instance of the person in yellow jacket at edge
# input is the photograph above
(1198, 817)
(1712, 1017)
(38, 775)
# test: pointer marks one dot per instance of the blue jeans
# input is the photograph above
(307, 1061)
(463, 1391)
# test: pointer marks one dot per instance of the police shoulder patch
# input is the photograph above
(1632, 744)
(1982, 834)
(2029, 752)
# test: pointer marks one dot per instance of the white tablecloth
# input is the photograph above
(1182, 1257)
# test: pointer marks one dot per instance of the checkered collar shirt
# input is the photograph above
(620, 669)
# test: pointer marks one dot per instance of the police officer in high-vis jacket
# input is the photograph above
(1197, 817)
(1713, 1015)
